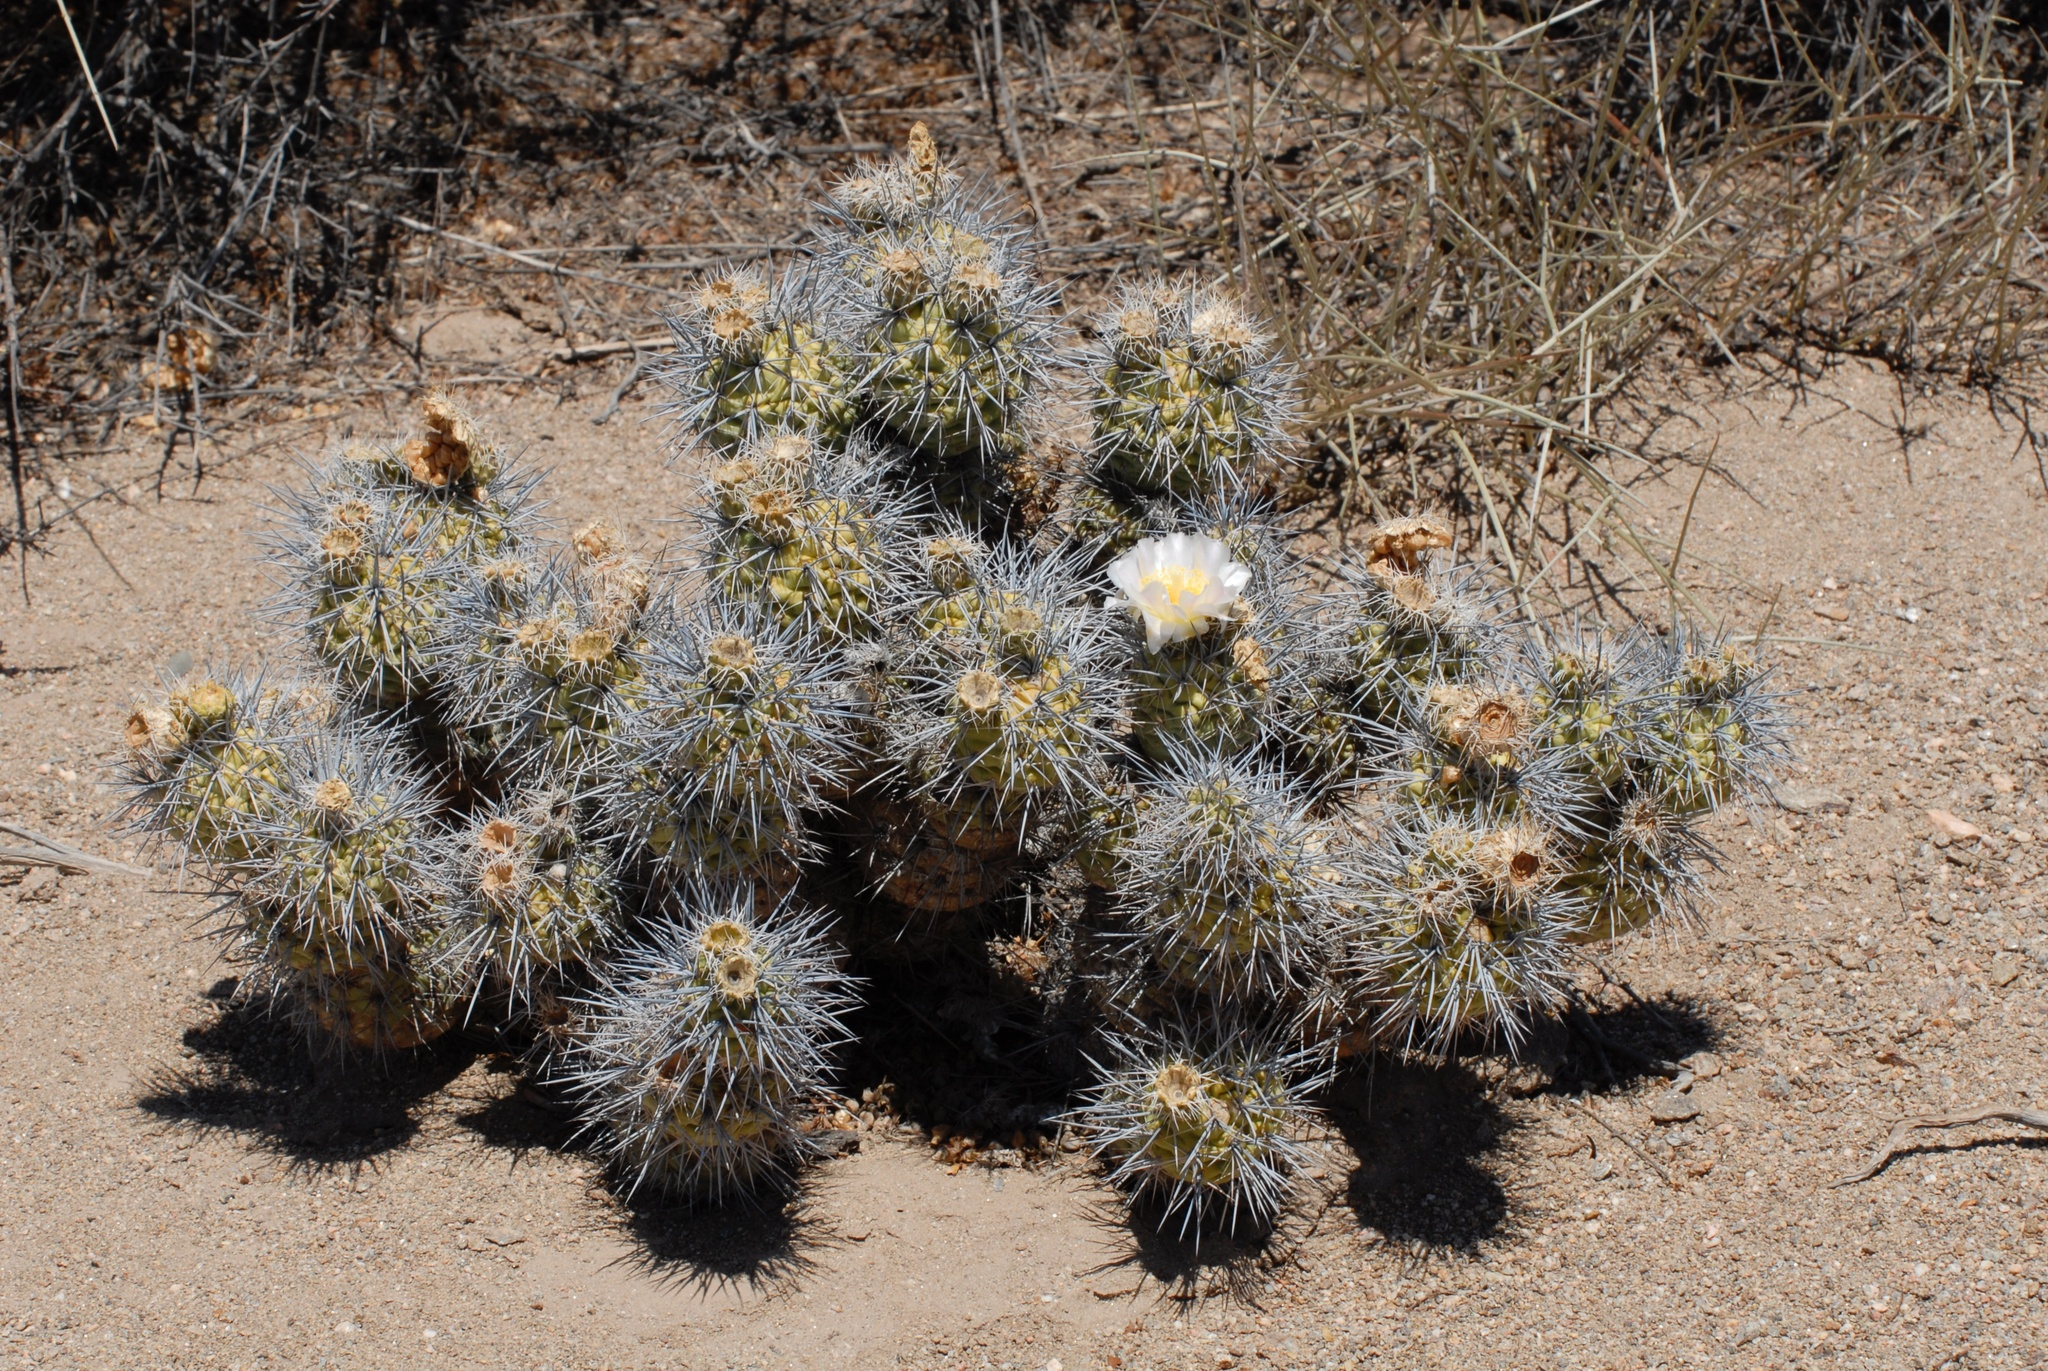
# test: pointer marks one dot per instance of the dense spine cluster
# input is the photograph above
(913, 660)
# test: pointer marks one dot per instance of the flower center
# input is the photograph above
(1178, 582)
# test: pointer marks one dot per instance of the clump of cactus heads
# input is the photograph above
(813, 536)
(1205, 1125)
(699, 1055)
(1191, 397)
(202, 761)
(1231, 886)
(744, 732)
(533, 896)
(339, 900)
(1462, 928)
(1373, 818)
(755, 358)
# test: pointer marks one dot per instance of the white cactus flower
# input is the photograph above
(1180, 583)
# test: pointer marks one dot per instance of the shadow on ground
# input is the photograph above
(252, 1072)
(1623, 1042)
(1427, 1140)
(754, 1245)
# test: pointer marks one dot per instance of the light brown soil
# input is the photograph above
(181, 1189)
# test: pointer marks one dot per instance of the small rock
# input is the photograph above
(502, 1236)
(1940, 915)
(861, 1236)
(1673, 1108)
(348, 1326)
(1832, 613)
(1852, 959)
(1602, 1169)
(1801, 800)
(2005, 970)
(2004, 782)
(1703, 1065)
(837, 1142)
(1947, 823)
(1749, 1332)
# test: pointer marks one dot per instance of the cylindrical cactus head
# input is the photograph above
(531, 896)
(1642, 870)
(1219, 644)
(1407, 620)
(1595, 698)
(816, 537)
(1191, 396)
(1461, 928)
(1205, 1123)
(955, 331)
(547, 672)
(754, 358)
(697, 1056)
(1005, 700)
(340, 867)
(201, 760)
(746, 729)
(1230, 886)
(1717, 732)
(367, 572)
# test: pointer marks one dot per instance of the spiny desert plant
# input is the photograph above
(597, 798)
(1202, 1121)
(699, 1056)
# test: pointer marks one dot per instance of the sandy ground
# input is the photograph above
(181, 1189)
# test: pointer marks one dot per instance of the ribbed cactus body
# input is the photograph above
(814, 537)
(533, 895)
(1234, 890)
(1640, 869)
(1462, 928)
(745, 733)
(706, 1044)
(755, 359)
(997, 714)
(954, 339)
(203, 762)
(544, 663)
(1190, 396)
(1205, 1125)
(1709, 734)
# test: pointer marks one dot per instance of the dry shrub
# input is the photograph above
(1483, 228)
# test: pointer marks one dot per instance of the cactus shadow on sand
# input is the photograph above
(1426, 1138)
(756, 1245)
(253, 1075)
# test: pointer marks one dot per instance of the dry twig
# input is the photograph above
(1895, 1141)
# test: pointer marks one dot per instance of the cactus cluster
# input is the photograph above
(911, 661)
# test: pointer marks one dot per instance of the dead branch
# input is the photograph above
(1895, 1142)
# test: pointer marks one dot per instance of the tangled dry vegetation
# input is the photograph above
(1482, 229)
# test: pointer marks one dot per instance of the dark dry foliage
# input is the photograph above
(1480, 229)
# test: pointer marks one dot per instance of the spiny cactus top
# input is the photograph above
(594, 798)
